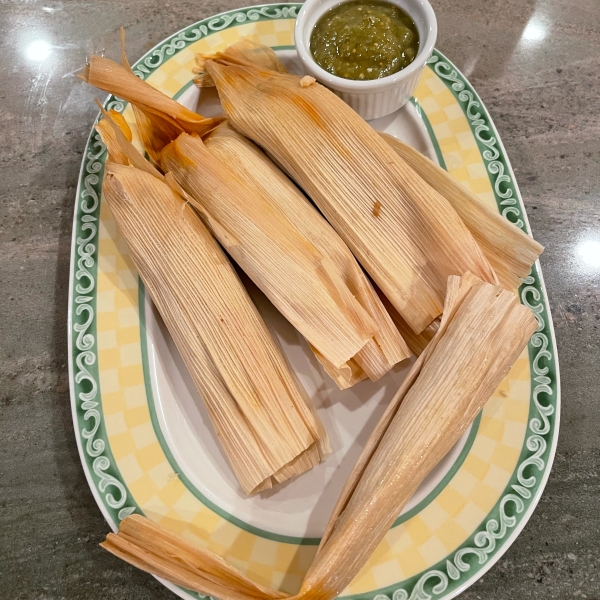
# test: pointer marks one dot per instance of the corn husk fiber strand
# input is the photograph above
(261, 415)
(483, 331)
(510, 251)
(416, 241)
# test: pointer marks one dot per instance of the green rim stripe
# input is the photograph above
(460, 459)
(184, 89)
(90, 426)
(423, 115)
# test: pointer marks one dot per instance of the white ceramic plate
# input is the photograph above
(145, 439)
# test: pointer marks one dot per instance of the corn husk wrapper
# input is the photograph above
(304, 283)
(481, 334)
(510, 251)
(245, 52)
(417, 342)
(262, 416)
(358, 339)
(122, 124)
(190, 566)
(387, 347)
(166, 114)
(404, 233)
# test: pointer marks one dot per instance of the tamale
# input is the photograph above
(482, 332)
(510, 251)
(314, 288)
(262, 416)
(275, 235)
(387, 347)
(405, 234)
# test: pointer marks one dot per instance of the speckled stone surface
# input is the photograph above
(536, 66)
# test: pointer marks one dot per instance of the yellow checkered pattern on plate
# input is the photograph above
(454, 136)
(176, 72)
(407, 549)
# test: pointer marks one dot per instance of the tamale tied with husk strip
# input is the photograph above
(481, 334)
(405, 234)
(510, 251)
(262, 416)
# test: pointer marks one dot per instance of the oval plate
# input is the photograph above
(142, 433)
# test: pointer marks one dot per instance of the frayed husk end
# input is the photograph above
(509, 250)
(121, 81)
(346, 376)
(245, 52)
(116, 135)
(417, 342)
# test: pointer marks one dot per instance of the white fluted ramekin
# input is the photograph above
(372, 98)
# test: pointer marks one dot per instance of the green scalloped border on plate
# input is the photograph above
(486, 545)
(104, 478)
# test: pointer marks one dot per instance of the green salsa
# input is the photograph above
(364, 39)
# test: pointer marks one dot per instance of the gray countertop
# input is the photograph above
(536, 65)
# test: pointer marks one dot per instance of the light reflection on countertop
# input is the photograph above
(38, 50)
(588, 252)
(535, 31)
